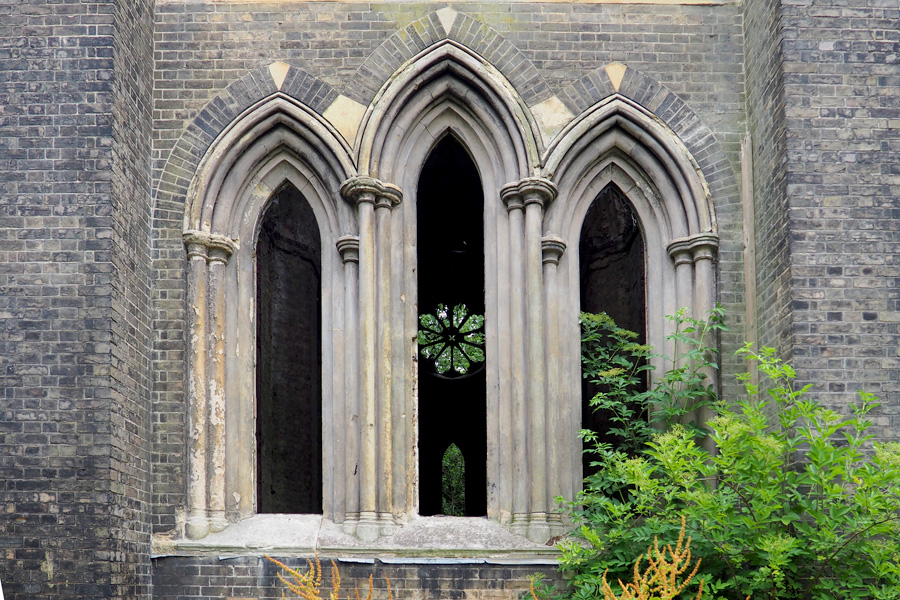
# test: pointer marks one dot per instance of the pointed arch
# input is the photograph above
(276, 126)
(275, 141)
(620, 142)
(447, 86)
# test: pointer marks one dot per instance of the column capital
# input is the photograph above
(368, 189)
(531, 190)
(348, 247)
(700, 246)
(553, 248)
(210, 246)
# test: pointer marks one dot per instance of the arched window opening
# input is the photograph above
(452, 384)
(288, 346)
(453, 482)
(612, 277)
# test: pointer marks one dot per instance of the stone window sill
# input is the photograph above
(420, 540)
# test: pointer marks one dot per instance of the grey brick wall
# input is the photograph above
(209, 578)
(96, 96)
(74, 161)
(765, 123)
(56, 138)
(129, 280)
(842, 115)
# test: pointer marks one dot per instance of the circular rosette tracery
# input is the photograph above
(452, 340)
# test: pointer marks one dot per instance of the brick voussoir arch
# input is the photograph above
(225, 108)
(408, 42)
(666, 106)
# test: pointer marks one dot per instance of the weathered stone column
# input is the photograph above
(559, 409)
(386, 199)
(703, 249)
(197, 517)
(680, 252)
(519, 460)
(346, 435)
(694, 258)
(207, 256)
(534, 194)
(218, 257)
(374, 336)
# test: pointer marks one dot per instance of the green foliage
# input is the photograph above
(613, 361)
(453, 482)
(452, 338)
(797, 503)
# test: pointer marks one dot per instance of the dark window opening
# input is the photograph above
(452, 384)
(611, 255)
(289, 359)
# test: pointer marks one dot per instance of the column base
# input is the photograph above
(197, 527)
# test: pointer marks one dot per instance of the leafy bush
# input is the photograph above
(793, 505)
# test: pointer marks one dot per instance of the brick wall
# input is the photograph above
(246, 578)
(56, 138)
(841, 79)
(74, 158)
(129, 280)
(765, 123)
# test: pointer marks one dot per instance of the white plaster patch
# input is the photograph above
(346, 115)
(279, 71)
(551, 116)
(447, 16)
(616, 72)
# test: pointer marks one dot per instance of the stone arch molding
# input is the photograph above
(618, 142)
(364, 202)
(277, 140)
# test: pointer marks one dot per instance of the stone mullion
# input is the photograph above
(383, 364)
(703, 249)
(367, 486)
(559, 476)
(525, 202)
(347, 454)
(374, 336)
(694, 259)
(519, 459)
(536, 371)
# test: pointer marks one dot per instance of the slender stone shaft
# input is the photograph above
(216, 379)
(558, 475)
(347, 456)
(197, 519)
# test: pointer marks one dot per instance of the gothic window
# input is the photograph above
(288, 357)
(612, 278)
(450, 267)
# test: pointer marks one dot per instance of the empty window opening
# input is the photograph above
(453, 482)
(288, 371)
(611, 256)
(452, 383)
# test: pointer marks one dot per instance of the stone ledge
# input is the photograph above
(422, 540)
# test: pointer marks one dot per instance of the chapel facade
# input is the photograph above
(264, 264)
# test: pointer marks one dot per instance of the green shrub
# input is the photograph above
(797, 503)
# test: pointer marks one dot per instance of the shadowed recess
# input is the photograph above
(289, 361)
